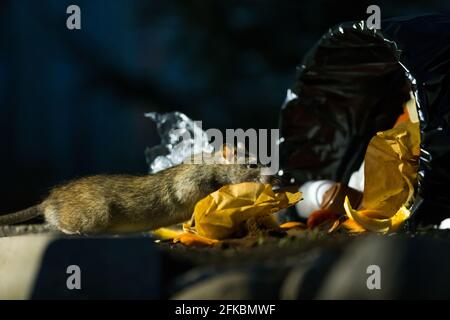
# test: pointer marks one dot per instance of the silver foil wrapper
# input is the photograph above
(181, 137)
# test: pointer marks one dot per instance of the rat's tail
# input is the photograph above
(20, 216)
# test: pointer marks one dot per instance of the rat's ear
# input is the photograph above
(243, 155)
(228, 153)
(223, 156)
(240, 148)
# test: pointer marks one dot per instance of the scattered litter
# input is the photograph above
(232, 211)
(224, 212)
(192, 239)
(391, 165)
(292, 225)
(445, 224)
(320, 217)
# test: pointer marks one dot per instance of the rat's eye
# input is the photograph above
(252, 166)
(215, 185)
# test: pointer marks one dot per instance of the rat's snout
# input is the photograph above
(271, 179)
(280, 181)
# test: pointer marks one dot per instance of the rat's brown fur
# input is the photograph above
(119, 203)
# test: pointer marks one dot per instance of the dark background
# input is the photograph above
(72, 102)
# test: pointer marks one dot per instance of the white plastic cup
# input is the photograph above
(313, 192)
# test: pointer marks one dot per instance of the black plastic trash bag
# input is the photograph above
(352, 84)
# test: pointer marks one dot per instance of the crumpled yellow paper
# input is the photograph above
(224, 213)
(390, 173)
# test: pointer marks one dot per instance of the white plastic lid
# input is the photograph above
(313, 192)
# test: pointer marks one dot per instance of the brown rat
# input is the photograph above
(121, 203)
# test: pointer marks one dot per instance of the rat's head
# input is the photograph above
(235, 165)
(237, 173)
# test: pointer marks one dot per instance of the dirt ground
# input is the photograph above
(298, 264)
(258, 247)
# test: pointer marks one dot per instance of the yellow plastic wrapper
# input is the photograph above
(166, 233)
(224, 213)
(228, 211)
(390, 171)
(191, 239)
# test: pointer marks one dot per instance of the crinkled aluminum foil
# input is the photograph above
(180, 136)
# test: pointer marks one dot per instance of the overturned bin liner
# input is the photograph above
(352, 84)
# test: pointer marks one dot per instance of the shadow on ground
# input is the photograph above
(310, 265)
